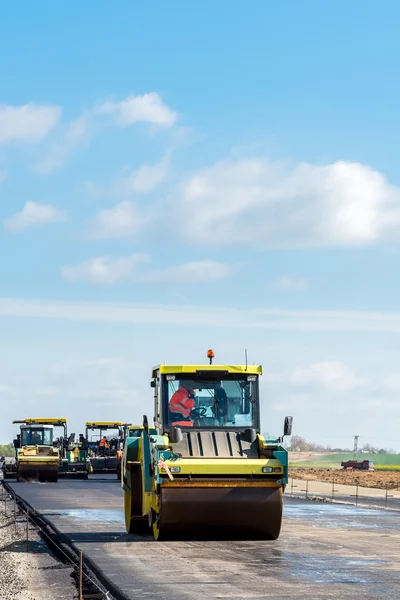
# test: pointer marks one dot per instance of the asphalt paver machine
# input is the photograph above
(207, 472)
(104, 440)
(74, 458)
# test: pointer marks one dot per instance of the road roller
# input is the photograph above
(37, 457)
(207, 473)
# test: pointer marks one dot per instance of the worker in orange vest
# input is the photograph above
(182, 403)
(103, 443)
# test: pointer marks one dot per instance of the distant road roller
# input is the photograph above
(37, 457)
(207, 472)
(41, 457)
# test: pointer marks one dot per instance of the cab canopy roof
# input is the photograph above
(56, 422)
(105, 424)
(192, 369)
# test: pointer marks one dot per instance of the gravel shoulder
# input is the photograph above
(33, 575)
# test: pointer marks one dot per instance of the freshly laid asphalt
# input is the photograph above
(325, 551)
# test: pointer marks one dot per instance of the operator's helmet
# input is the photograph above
(189, 385)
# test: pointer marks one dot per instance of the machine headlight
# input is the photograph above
(267, 469)
(172, 469)
(277, 470)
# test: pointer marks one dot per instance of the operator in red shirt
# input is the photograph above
(182, 403)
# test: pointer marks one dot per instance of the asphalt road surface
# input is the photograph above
(325, 551)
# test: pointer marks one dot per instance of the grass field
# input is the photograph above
(382, 462)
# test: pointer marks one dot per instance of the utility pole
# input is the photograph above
(355, 446)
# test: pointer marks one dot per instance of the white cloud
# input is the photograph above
(28, 123)
(105, 271)
(123, 220)
(201, 270)
(75, 135)
(289, 284)
(144, 179)
(391, 383)
(273, 205)
(148, 108)
(278, 319)
(34, 214)
(332, 375)
(7, 390)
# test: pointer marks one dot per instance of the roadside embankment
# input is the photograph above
(29, 575)
(373, 479)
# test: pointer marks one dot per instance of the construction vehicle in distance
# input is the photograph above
(37, 456)
(40, 456)
(209, 473)
(74, 459)
(359, 465)
(103, 454)
(8, 466)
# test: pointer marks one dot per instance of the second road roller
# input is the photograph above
(207, 472)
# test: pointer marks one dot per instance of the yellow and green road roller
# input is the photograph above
(207, 472)
(41, 457)
(37, 456)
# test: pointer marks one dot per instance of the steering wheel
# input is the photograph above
(201, 411)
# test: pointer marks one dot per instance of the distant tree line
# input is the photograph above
(7, 450)
(300, 444)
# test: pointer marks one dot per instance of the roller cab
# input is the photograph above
(207, 472)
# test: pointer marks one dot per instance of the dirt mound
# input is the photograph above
(373, 479)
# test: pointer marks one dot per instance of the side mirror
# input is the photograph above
(146, 424)
(287, 428)
(175, 435)
(16, 443)
(153, 383)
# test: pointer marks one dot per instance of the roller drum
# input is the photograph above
(211, 513)
(37, 473)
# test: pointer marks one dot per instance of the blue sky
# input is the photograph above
(174, 177)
